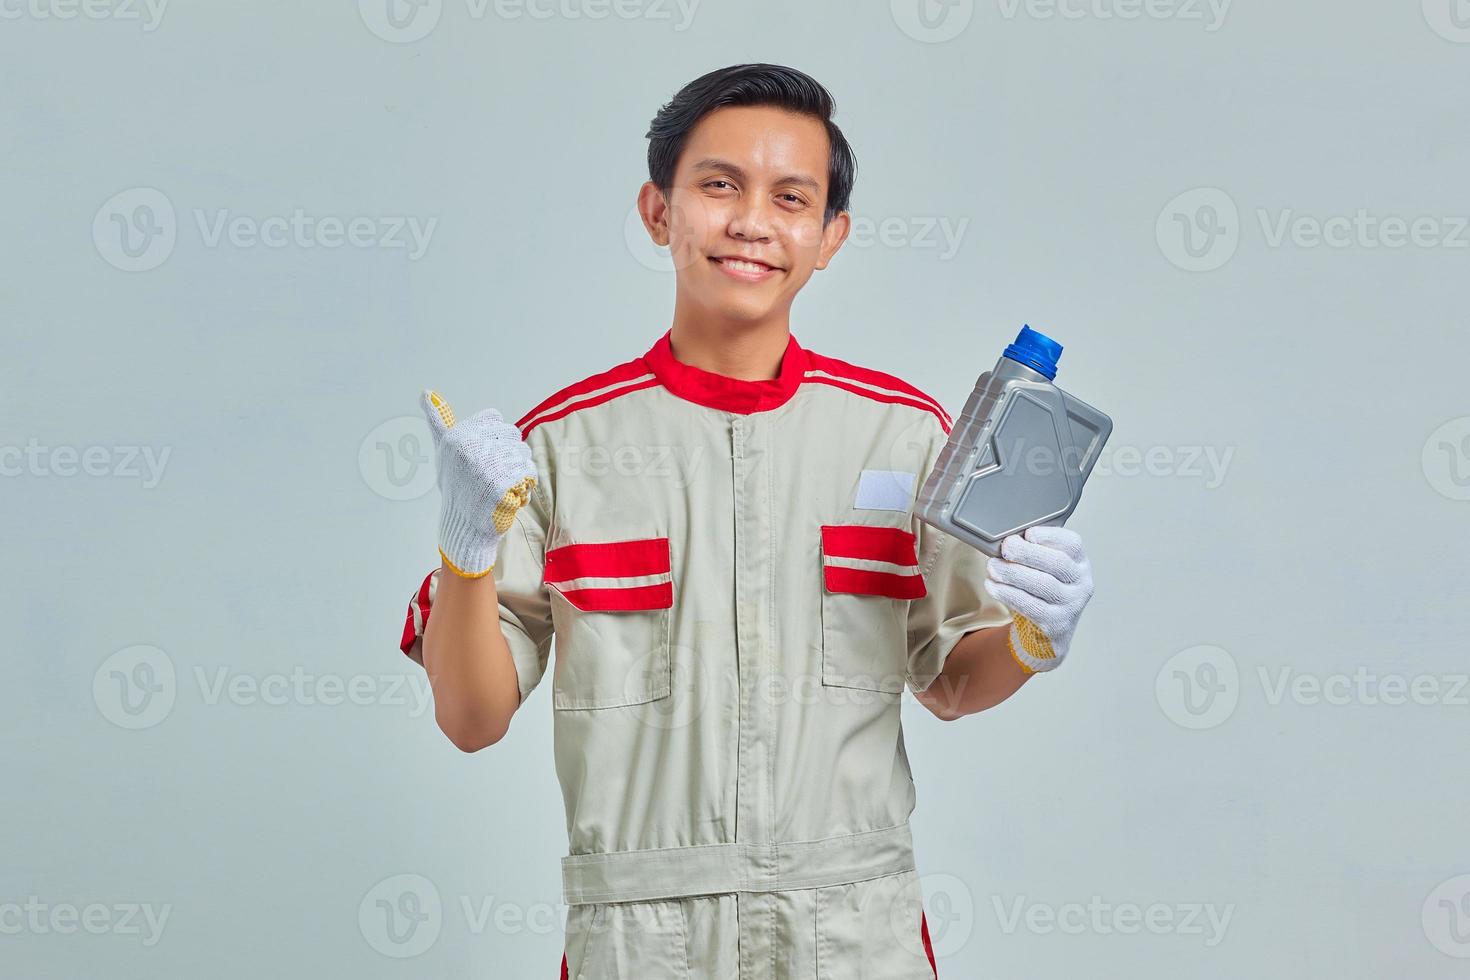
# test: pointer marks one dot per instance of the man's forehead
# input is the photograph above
(759, 138)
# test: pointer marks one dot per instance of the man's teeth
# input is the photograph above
(745, 266)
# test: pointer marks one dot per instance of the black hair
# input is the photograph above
(750, 85)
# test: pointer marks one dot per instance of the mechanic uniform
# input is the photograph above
(739, 593)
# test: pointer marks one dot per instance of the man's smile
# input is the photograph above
(743, 269)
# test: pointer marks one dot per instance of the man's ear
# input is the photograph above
(834, 233)
(653, 208)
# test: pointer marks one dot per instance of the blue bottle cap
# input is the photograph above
(1037, 351)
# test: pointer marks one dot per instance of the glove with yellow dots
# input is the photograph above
(485, 475)
(1044, 578)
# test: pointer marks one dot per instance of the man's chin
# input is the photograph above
(737, 303)
(747, 312)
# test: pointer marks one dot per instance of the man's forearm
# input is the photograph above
(979, 673)
(468, 662)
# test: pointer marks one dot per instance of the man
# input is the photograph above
(719, 534)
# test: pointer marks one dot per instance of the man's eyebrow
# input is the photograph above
(714, 163)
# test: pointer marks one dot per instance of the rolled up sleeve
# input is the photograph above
(525, 604)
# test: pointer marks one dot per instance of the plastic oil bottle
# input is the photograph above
(1017, 455)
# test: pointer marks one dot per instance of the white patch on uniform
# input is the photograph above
(885, 490)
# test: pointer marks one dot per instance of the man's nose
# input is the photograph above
(751, 219)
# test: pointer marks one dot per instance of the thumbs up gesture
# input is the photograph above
(485, 473)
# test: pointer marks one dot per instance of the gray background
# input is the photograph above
(1165, 766)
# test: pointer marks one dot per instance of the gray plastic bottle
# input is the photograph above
(1018, 454)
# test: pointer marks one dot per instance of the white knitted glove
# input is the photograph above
(1044, 578)
(485, 475)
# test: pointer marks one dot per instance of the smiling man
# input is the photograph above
(735, 630)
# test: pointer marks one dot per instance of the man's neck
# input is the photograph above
(744, 350)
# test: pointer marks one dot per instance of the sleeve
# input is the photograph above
(525, 604)
(955, 601)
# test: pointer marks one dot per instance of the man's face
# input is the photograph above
(743, 219)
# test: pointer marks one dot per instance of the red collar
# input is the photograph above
(728, 394)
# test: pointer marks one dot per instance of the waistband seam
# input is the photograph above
(737, 866)
(686, 848)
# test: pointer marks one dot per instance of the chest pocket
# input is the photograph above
(869, 573)
(610, 607)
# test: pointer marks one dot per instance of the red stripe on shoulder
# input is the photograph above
(626, 371)
(881, 379)
(879, 396)
(577, 405)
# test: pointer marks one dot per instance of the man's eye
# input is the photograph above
(711, 183)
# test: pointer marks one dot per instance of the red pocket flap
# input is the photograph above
(871, 560)
(613, 576)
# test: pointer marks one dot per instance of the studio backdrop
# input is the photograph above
(240, 238)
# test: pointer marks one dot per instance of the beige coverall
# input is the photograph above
(739, 593)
